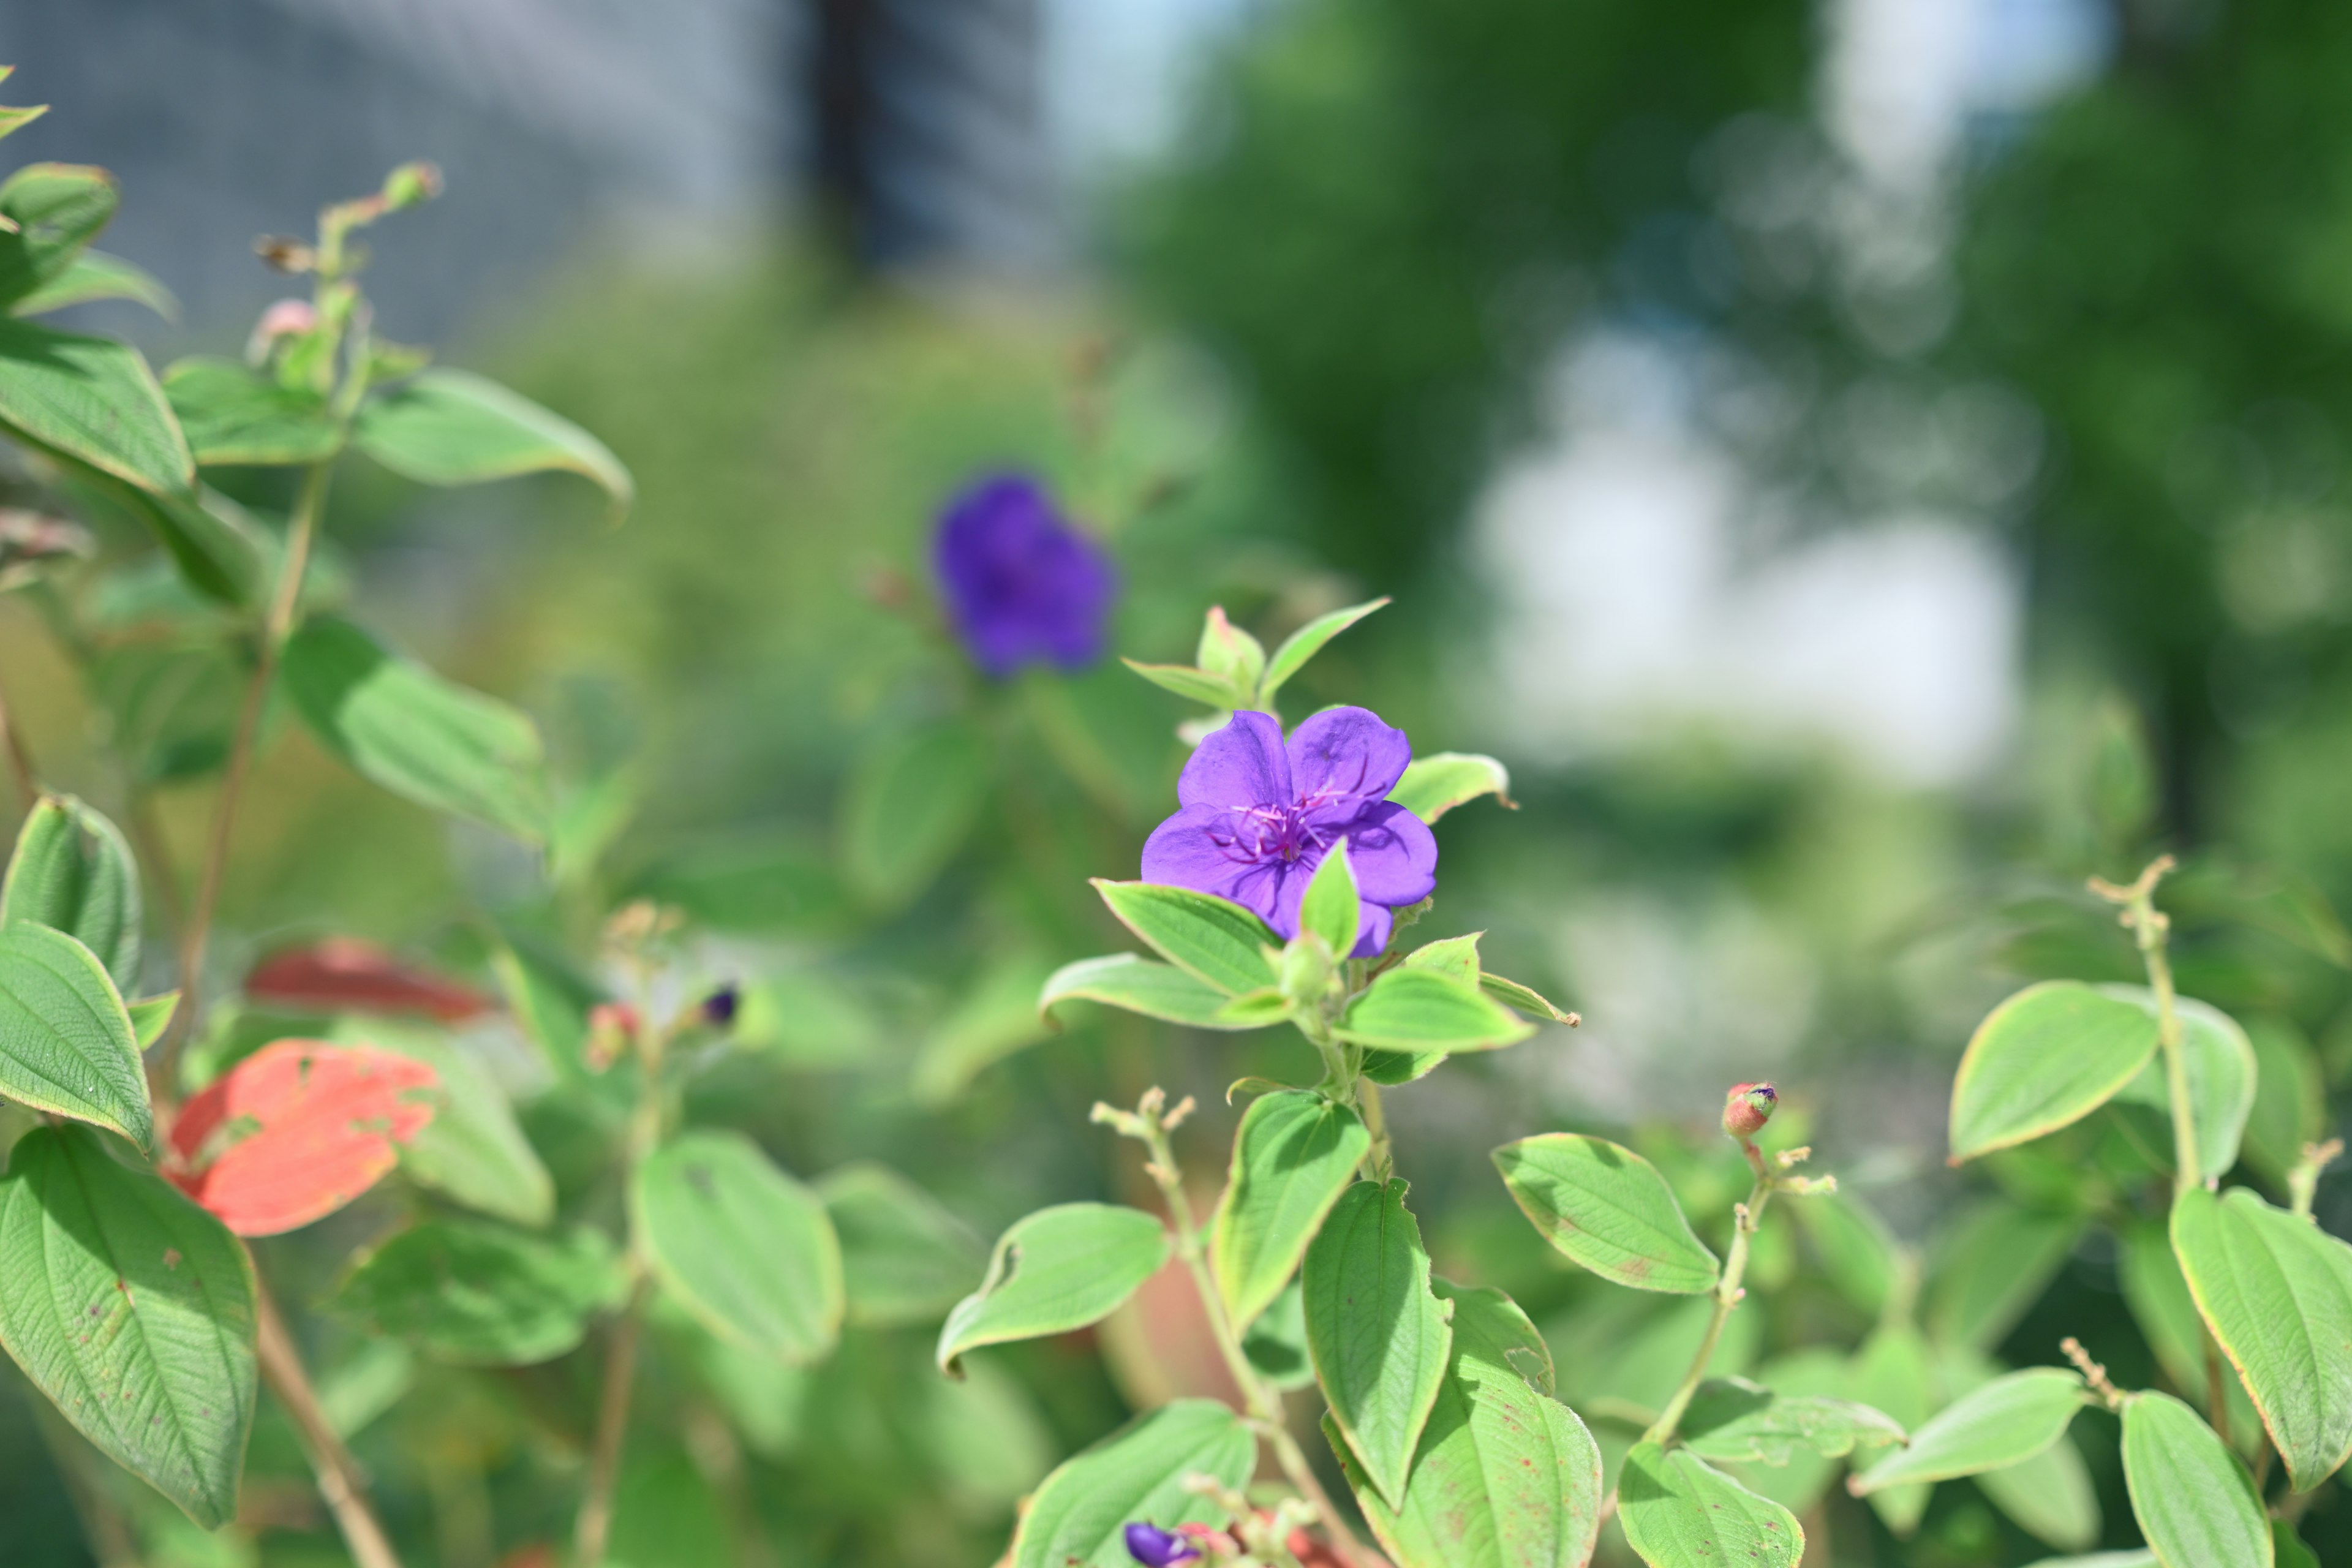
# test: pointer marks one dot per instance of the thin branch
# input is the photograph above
(20, 760)
(341, 1481)
(596, 1523)
(1728, 1292)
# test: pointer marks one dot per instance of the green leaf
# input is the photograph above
(235, 415)
(2292, 1551)
(425, 739)
(453, 428)
(2158, 1294)
(2220, 1063)
(479, 1294)
(1294, 1154)
(92, 276)
(1329, 907)
(1275, 1342)
(1253, 1010)
(1210, 939)
(2195, 1503)
(1435, 785)
(150, 1016)
(1857, 1252)
(66, 1041)
(2049, 1055)
(1378, 1336)
(1992, 1265)
(906, 810)
(93, 400)
(1455, 957)
(1735, 1421)
(473, 1151)
(2006, 1421)
(1138, 984)
(997, 1018)
(1059, 1269)
(1228, 653)
(1415, 1009)
(1608, 1208)
(133, 1309)
(2050, 1497)
(2276, 1291)
(2290, 1099)
(217, 550)
(2133, 1559)
(1307, 642)
(1891, 1374)
(54, 210)
(1681, 1512)
(1504, 1477)
(904, 1259)
(1526, 998)
(73, 871)
(746, 1248)
(1195, 685)
(1078, 1517)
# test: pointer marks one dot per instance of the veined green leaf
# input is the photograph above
(1294, 1154)
(92, 276)
(2220, 1063)
(1307, 642)
(478, 1294)
(2276, 1291)
(1455, 957)
(2049, 1055)
(1078, 1517)
(1331, 908)
(1196, 685)
(233, 414)
(1434, 784)
(1414, 1009)
(133, 1310)
(73, 871)
(906, 808)
(747, 1250)
(94, 401)
(1209, 938)
(1526, 998)
(1378, 1336)
(419, 736)
(2160, 1302)
(2196, 1505)
(1138, 984)
(1608, 1208)
(905, 1259)
(2006, 1421)
(53, 210)
(1681, 1512)
(1059, 1269)
(1505, 1477)
(66, 1041)
(1734, 1421)
(452, 427)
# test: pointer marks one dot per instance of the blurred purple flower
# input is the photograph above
(1157, 1548)
(719, 1008)
(1258, 818)
(1023, 585)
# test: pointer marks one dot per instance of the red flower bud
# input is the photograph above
(1747, 1109)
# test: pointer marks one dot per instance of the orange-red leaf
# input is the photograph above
(296, 1131)
(343, 973)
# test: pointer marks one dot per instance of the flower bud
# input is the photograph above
(411, 183)
(612, 1026)
(719, 1008)
(1747, 1109)
(1306, 968)
(1157, 1548)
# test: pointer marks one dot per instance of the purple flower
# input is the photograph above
(1157, 1548)
(1258, 818)
(719, 1008)
(1023, 586)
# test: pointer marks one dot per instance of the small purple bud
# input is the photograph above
(1747, 1108)
(719, 1007)
(1157, 1548)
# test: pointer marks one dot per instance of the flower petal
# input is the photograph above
(1373, 924)
(1393, 855)
(1239, 766)
(1348, 752)
(1193, 849)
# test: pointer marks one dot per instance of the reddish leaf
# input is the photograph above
(343, 973)
(296, 1131)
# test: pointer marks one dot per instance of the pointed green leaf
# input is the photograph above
(453, 428)
(67, 1044)
(1294, 1154)
(2221, 1065)
(1210, 939)
(150, 1016)
(903, 1258)
(1992, 1265)
(1608, 1208)
(2049, 1055)
(2050, 1497)
(1275, 1342)
(1059, 1269)
(1504, 1477)
(1681, 1512)
(906, 810)
(133, 1310)
(1329, 907)
(1891, 1372)
(429, 739)
(54, 210)
(1307, 642)
(2160, 1302)
(2196, 1505)
(1252, 1010)
(1138, 984)
(1195, 685)
(746, 1248)
(1526, 998)
(235, 415)
(474, 1293)
(73, 873)
(1078, 1517)
(1378, 1336)
(92, 276)
(93, 400)
(1229, 653)
(1856, 1249)
(1414, 1009)
(1734, 1421)
(1455, 957)
(2276, 1291)
(2008, 1420)
(2292, 1551)
(1434, 784)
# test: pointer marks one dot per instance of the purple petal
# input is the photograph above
(1195, 849)
(1021, 585)
(1393, 855)
(1373, 924)
(1239, 766)
(1273, 889)
(1347, 753)
(1157, 1548)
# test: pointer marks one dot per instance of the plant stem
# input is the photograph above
(278, 624)
(1727, 1293)
(595, 1521)
(341, 1480)
(20, 760)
